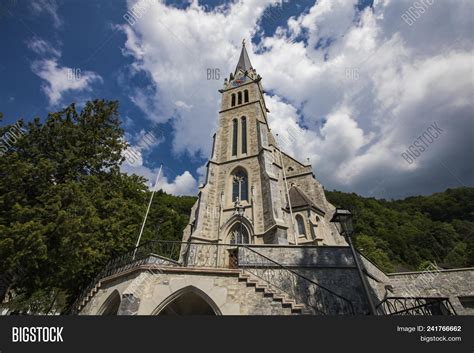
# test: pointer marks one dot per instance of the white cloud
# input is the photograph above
(357, 91)
(57, 79)
(41, 47)
(144, 142)
(176, 48)
(180, 184)
(183, 184)
(50, 7)
(61, 79)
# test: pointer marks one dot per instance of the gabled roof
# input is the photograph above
(299, 199)
(244, 60)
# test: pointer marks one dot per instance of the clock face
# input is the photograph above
(239, 80)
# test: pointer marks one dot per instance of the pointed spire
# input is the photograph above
(244, 61)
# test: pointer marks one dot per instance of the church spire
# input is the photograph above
(244, 61)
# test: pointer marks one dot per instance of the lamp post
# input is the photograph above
(343, 220)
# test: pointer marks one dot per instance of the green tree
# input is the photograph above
(65, 207)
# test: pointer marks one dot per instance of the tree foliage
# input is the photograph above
(406, 234)
(65, 207)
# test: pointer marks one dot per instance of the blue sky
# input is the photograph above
(351, 84)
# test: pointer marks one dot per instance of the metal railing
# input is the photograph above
(415, 306)
(317, 298)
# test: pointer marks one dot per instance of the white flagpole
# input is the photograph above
(147, 210)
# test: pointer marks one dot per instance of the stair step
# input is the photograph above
(289, 301)
(268, 294)
(299, 306)
(276, 295)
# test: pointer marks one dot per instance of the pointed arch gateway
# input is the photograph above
(189, 300)
(111, 305)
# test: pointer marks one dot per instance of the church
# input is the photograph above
(261, 241)
(281, 201)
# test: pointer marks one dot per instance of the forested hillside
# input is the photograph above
(406, 234)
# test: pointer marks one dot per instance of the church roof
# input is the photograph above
(244, 60)
(299, 199)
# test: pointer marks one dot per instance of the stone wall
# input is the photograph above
(451, 284)
(333, 267)
(307, 256)
(148, 289)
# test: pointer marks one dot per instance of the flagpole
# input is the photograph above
(148, 210)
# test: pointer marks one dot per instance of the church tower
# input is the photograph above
(254, 193)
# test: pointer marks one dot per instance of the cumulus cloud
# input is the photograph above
(141, 144)
(355, 86)
(57, 79)
(169, 181)
(183, 184)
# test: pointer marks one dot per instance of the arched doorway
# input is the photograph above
(111, 305)
(188, 301)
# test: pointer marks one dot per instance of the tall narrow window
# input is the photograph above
(233, 99)
(240, 186)
(239, 96)
(235, 127)
(244, 135)
(246, 96)
(300, 225)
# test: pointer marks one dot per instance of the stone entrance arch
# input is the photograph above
(188, 301)
(111, 305)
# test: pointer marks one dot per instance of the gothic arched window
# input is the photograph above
(300, 225)
(244, 134)
(239, 96)
(235, 127)
(239, 235)
(240, 186)
(233, 99)
(246, 96)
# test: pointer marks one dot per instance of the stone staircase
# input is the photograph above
(273, 293)
(89, 296)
